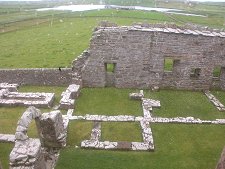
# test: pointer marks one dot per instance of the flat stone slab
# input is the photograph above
(124, 145)
(7, 138)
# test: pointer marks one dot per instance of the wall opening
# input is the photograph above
(110, 67)
(216, 72)
(195, 73)
(168, 64)
(110, 74)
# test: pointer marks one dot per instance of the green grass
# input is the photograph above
(48, 89)
(78, 131)
(168, 64)
(107, 101)
(9, 116)
(54, 39)
(177, 146)
(216, 71)
(121, 131)
(184, 103)
(5, 149)
(220, 95)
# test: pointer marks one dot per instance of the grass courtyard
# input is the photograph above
(176, 145)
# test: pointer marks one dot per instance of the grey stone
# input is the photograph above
(51, 129)
(221, 163)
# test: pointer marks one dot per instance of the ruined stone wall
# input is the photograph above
(36, 76)
(138, 56)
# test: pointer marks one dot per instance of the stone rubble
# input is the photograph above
(26, 99)
(96, 131)
(69, 96)
(215, 101)
(147, 134)
(10, 87)
(167, 30)
(137, 96)
(7, 138)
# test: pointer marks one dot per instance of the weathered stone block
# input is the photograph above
(124, 145)
(51, 130)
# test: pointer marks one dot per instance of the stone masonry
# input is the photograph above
(51, 130)
(40, 153)
(69, 96)
(137, 55)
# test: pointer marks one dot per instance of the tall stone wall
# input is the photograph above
(37, 76)
(138, 56)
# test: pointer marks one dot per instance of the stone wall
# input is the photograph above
(37, 76)
(139, 53)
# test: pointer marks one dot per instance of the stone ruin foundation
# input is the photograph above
(43, 152)
(9, 96)
(39, 153)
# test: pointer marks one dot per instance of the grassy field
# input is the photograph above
(54, 39)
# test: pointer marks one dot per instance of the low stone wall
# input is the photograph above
(8, 98)
(69, 96)
(37, 76)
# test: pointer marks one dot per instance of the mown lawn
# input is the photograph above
(176, 146)
(184, 103)
(107, 101)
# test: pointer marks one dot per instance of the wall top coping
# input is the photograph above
(34, 69)
(165, 30)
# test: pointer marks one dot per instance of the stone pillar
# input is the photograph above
(221, 163)
(51, 130)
